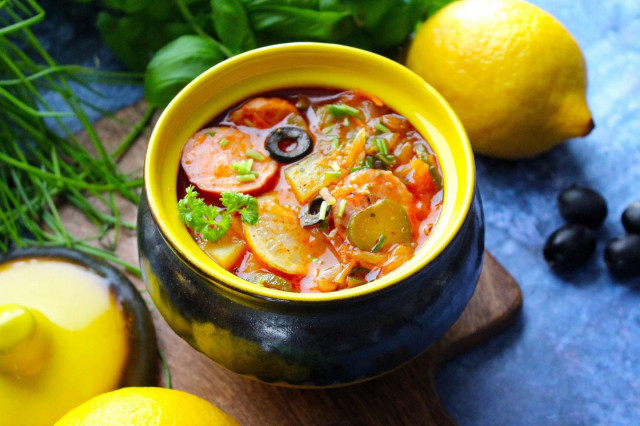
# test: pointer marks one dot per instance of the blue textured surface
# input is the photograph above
(573, 356)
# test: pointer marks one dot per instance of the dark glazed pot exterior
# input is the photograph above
(312, 343)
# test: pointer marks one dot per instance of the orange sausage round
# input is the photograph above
(207, 160)
(263, 113)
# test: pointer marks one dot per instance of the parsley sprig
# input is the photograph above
(243, 203)
(212, 222)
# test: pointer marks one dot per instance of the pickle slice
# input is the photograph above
(379, 226)
(269, 280)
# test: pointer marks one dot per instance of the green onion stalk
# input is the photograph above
(42, 169)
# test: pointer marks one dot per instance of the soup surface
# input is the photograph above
(309, 190)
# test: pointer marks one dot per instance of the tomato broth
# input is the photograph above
(346, 189)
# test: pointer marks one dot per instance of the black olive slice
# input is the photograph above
(292, 137)
(310, 214)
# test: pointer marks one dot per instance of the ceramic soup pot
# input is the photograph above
(310, 339)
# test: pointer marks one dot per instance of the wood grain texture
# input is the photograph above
(407, 395)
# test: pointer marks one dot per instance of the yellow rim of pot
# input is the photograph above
(304, 65)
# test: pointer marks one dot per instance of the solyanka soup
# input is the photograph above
(310, 190)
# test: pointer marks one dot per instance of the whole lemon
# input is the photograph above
(146, 406)
(514, 75)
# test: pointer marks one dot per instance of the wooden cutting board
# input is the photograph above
(407, 395)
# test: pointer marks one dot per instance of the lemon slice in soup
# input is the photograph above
(278, 239)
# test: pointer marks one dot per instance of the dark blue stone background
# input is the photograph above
(573, 356)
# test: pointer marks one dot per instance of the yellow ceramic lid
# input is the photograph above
(63, 338)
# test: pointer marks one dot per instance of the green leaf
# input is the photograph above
(135, 38)
(303, 4)
(176, 64)
(232, 25)
(204, 219)
(284, 23)
(243, 203)
(435, 5)
(388, 22)
(127, 6)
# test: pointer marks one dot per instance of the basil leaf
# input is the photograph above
(136, 29)
(436, 5)
(127, 6)
(304, 4)
(176, 64)
(274, 24)
(135, 38)
(232, 25)
(388, 22)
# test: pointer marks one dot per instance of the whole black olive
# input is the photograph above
(579, 204)
(631, 218)
(310, 214)
(569, 246)
(288, 144)
(622, 256)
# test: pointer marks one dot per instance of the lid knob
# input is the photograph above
(24, 340)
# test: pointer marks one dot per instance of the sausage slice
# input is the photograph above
(208, 156)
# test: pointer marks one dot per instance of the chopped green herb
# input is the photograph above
(332, 175)
(341, 110)
(376, 248)
(246, 178)
(388, 160)
(327, 130)
(255, 155)
(224, 142)
(381, 127)
(343, 204)
(367, 163)
(243, 167)
(382, 146)
(322, 213)
(335, 142)
(212, 134)
(315, 260)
